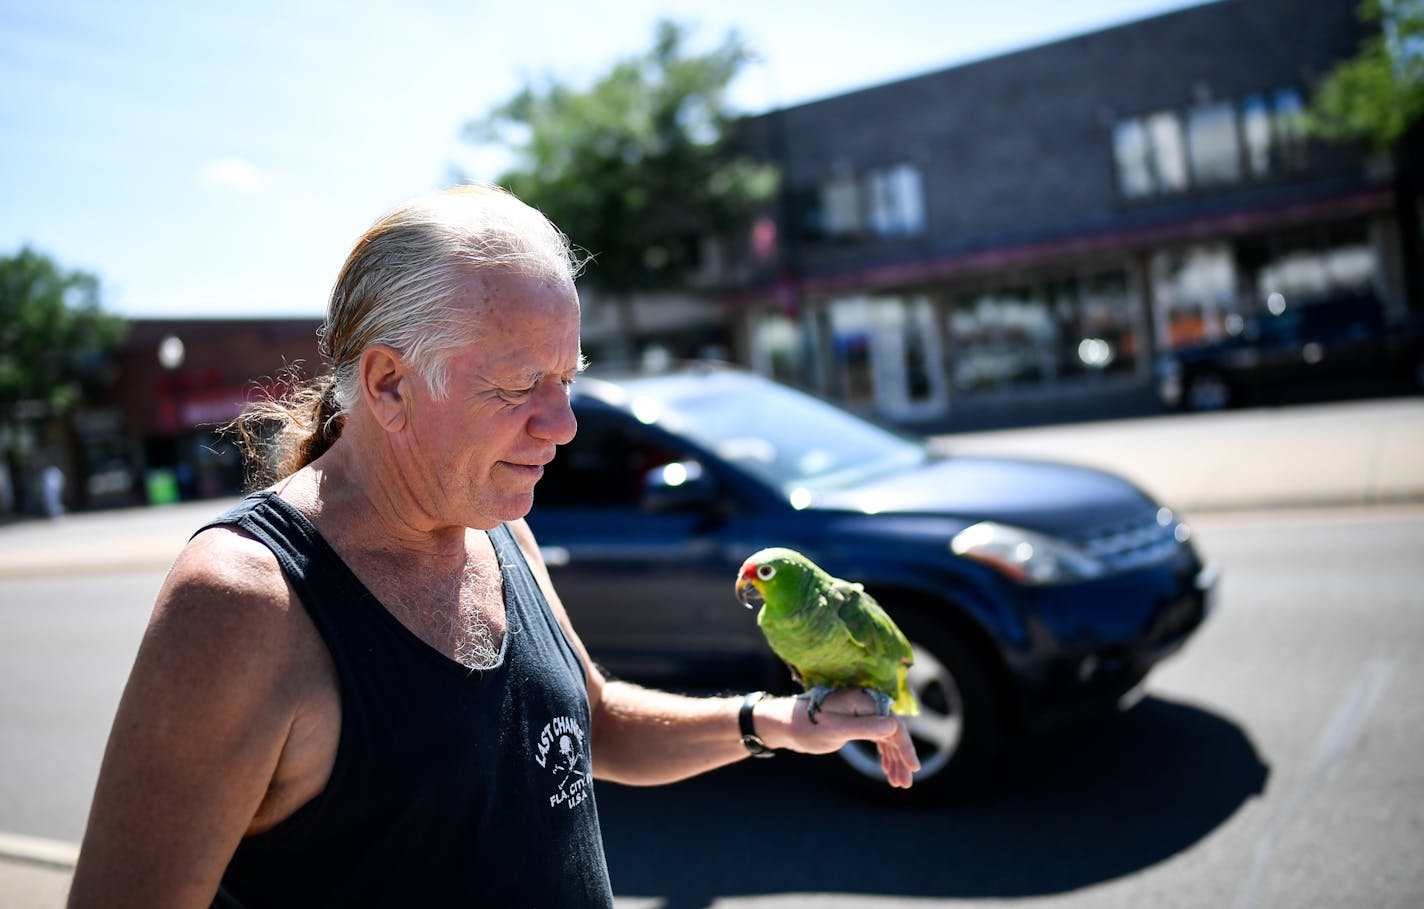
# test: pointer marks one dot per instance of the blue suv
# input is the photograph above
(1029, 589)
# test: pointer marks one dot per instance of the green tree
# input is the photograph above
(1377, 95)
(54, 338)
(638, 168)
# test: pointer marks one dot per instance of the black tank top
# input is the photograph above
(451, 786)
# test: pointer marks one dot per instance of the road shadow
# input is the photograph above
(1107, 798)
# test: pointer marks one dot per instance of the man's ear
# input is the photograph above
(385, 386)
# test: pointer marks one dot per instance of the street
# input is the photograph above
(1273, 762)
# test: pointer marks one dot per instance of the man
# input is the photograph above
(359, 687)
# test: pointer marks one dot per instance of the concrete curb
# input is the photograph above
(39, 851)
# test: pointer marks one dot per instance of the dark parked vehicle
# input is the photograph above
(1307, 349)
(1028, 589)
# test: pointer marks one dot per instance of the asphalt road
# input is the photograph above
(1274, 762)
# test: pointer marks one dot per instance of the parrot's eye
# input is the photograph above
(766, 572)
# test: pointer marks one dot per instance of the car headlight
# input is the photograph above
(1023, 555)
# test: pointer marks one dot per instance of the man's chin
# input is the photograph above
(511, 507)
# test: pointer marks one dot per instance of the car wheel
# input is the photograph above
(961, 724)
(1207, 391)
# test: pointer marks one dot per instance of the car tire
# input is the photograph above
(962, 722)
(1207, 391)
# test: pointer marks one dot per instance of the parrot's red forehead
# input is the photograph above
(749, 569)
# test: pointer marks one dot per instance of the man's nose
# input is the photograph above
(553, 418)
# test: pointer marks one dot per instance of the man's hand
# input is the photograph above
(847, 715)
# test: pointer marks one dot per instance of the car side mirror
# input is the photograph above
(679, 486)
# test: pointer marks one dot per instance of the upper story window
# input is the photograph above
(840, 206)
(895, 201)
(882, 202)
(1288, 128)
(1151, 155)
(1212, 145)
(1273, 133)
(1256, 132)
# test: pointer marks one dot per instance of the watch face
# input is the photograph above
(756, 746)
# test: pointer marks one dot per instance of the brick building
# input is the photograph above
(1026, 232)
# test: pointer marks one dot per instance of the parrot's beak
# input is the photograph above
(749, 594)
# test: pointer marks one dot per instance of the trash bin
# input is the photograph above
(162, 486)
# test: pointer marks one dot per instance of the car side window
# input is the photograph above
(604, 466)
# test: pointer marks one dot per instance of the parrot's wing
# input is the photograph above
(868, 623)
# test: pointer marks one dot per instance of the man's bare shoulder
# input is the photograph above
(202, 745)
(228, 588)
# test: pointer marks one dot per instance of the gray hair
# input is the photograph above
(399, 283)
(399, 287)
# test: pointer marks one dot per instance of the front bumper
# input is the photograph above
(1082, 665)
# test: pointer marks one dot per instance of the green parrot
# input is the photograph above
(829, 631)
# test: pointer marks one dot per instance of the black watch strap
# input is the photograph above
(749, 737)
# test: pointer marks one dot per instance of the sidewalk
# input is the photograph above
(1328, 455)
(126, 539)
(1359, 454)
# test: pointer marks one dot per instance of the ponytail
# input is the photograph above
(279, 435)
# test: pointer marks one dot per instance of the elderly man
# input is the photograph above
(359, 687)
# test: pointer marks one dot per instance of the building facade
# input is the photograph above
(158, 437)
(1028, 232)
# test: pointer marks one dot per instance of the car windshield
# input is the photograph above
(786, 438)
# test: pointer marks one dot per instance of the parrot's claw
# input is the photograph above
(817, 694)
(882, 701)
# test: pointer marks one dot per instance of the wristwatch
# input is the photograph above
(749, 737)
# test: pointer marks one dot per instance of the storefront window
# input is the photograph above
(784, 348)
(1002, 339)
(1195, 290)
(1106, 340)
(851, 326)
(1204, 293)
(1056, 332)
(886, 355)
(1308, 267)
(909, 369)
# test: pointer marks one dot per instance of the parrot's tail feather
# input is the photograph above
(905, 701)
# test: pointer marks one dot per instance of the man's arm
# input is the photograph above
(198, 733)
(646, 737)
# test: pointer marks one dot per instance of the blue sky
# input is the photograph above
(219, 159)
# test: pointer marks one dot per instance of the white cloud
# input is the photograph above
(232, 173)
